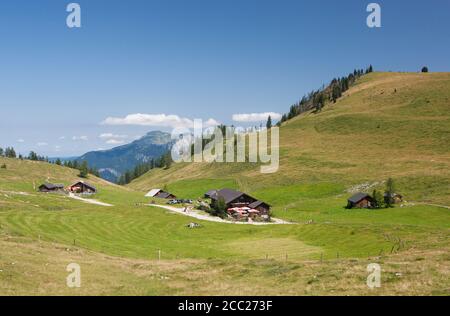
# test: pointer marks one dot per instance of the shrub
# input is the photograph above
(425, 69)
(219, 208)
(3, 166)
(378, 199)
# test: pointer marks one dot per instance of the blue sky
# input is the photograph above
(190, 58)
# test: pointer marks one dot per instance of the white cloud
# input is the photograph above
(211, 123)
(161, 120)
(21, 140)
(41, 144)
(115, 141)
(82, 138)
(111, 135)
(256, 117)
(62, 138)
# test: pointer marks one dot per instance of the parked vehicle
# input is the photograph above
(172, 202)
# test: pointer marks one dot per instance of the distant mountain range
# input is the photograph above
(113, 162)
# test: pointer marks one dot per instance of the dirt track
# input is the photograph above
(206, 217)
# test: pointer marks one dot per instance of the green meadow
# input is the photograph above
(388, 125)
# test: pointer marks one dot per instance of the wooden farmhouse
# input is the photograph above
(360, 200)
(82, 187)
(50, 187)
(161, 194)
(240, 205)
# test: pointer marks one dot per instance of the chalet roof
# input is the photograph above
(358, 197)
(51, 186)
(164, 195)
(228, 195)
(210, 193)
(85, 184)
(258, 203)
(153, 192)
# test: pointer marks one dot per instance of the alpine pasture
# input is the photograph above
(388, 125)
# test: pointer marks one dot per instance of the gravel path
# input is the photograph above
(437, 205)
(90, 201)
(206, 217)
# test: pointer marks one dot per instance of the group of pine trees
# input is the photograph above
(35, 157)
(83, 167)
(8, 152)
(386, 200)
(165, 161)
(316, 99)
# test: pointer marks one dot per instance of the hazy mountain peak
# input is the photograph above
(113, 162)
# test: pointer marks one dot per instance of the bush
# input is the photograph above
(378, 199)
(425, 69)
(203, 207)
(3, 166)
(221, 214)
(219, 208)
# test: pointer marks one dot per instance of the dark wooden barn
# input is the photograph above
(360, 200)
(161, 194)
(50, 187)
(82, 188)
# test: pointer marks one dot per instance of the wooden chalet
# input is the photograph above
(50, 187)
(240, 205)
(161, 194)
(82, 187)
(360, 200)
(232, 198)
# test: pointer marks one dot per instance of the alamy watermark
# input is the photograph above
(74, 17)
(73, 280)
(374, 18)
(73, 20)
(227, 144)
(374, 279)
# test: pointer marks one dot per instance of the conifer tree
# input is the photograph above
(269, 122)
(84, 170)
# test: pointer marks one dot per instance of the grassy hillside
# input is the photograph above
(117, 247)
(387, 125)
(373, 133)
(133, 230)
(30, 268)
